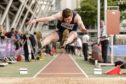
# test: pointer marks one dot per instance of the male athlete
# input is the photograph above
(67, 19)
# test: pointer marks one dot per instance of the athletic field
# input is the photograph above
(58, 69)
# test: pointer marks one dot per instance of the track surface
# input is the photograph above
(61, 66)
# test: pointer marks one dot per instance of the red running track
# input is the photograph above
(61, 66)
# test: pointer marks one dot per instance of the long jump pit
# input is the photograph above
(62, 66)
(61, 70)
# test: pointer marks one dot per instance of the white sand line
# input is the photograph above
(84, 73)
(61, 73)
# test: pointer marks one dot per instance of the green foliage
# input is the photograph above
(109, 3)
(122, 7)
(88, 11)
(123, 15)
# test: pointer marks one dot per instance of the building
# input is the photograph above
(15, 13)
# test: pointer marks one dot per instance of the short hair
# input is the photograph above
(67, 12)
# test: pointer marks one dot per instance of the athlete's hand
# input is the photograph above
(83, 30)
(32, 21)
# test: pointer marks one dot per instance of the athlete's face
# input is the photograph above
(68, 19)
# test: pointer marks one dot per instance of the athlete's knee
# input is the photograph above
(55, 36)
(73, 33)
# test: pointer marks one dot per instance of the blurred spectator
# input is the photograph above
(11, 33)
(85, 40)
(104, 41)
(78, 45)
(27, 47)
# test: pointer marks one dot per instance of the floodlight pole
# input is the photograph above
(98, 19)
(105, 13)
(105, 25)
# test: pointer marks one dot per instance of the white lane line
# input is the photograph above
(44, 67)
(61, 73)
(84, 73)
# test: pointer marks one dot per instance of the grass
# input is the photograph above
(12, 70)
(88, 68)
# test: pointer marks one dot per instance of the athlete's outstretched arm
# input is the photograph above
(80, 23)
(46, 19)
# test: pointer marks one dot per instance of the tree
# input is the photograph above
(122, 7)
(88, 11)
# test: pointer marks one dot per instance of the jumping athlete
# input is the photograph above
(67, 19)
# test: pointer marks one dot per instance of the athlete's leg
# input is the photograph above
(72, 36)
(53, 37)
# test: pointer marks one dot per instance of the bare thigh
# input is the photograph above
(53, 37)
(73, 35)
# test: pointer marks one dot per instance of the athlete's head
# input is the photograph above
(101, 24)
(67, 15)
